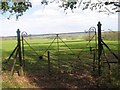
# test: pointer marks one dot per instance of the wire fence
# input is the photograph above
(65, 51)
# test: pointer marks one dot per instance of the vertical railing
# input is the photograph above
(23, 58)
(19, 52)
(58, 52)
(99, 48)
(49, 71)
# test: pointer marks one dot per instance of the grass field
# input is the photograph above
(71, 66)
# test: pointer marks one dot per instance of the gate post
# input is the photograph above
(49, 69)
(19, 52)
(99, 48)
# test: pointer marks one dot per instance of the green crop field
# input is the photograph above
(70, 60)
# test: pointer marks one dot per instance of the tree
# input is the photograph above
(18, 7)
(14, 7)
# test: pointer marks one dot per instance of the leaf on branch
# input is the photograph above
(109, 10)
(114, 8)
(17, 8)
(118, 11)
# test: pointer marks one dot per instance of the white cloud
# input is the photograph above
(53, 20)
(35, 2)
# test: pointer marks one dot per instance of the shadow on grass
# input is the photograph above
(59, 78)
(72, 73)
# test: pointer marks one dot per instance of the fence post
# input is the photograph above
(49, 62)
(58, 52)
(19, 52)
(119, 51)
(118, 46)
(23, 52)
(94, 57)
(99, 48)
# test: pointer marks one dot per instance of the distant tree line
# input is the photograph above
(109, 35)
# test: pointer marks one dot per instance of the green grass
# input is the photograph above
(67, 60)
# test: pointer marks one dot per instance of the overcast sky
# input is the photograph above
(52, 19)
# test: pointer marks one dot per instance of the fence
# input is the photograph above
(60, 54)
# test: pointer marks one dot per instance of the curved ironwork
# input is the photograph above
(24, 34)
(92, 30)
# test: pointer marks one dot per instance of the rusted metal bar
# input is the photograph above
(49, 45)
(94, 58)
(66, 45)
(23, 51)
(58, 52)
(49, 63)
(109, 67)
(110, 50)
(99, 48)
(19, 52)
(12, 54)
(31, 47)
